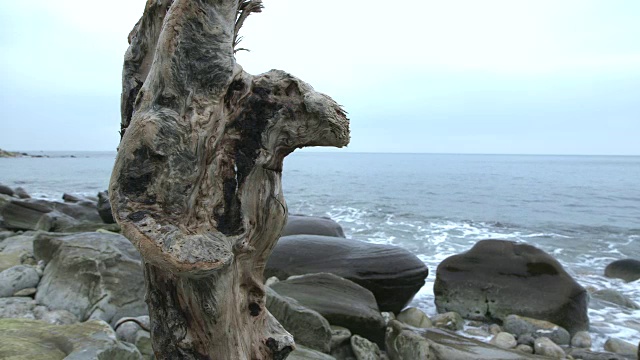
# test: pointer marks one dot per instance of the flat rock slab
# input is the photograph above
(497, 278)
(312, 225)
(437, 344)
(340, 301)
(392, 274)
(92, 275)
(36, 340)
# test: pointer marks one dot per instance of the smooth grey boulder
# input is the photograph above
(5, 190)
(504, 340)
(104, 208)
(17, 278)
(392, 274)
(19, 244)
(340, 343)
(405, 342)
(546, 347)
(621, 347)
(55, 317)
(92, 275)
(312, 225)
(582, 339)
(520, 325)
(615, 297)
(340, 301)
(36, 340)
(626, 269)
(136, 331)
(497, 278)
(17, 307)
(308, 327)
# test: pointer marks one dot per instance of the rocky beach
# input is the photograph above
(72, 287)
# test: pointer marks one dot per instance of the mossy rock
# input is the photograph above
(24, 339)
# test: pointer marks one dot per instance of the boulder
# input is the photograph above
(615, 297)
(582, 339)
(414, 317)
(8, 260)
(4, 189)
(312, 225)
(497, 278)
(55, 317)
(17, 278)
(340, 342)
(36, 340)
(620, 347)
(340, 301)
(22, 245)
(448, 321)
(23, 214)
(21, 193)
(104, 208)
(545, 347)
(92, 275)
(520, 325)
(626, 269)
(307, 326)
(17, 307)
(391, 273)
(136, 331)
(364, 349)
(404, 342)
(504, 340)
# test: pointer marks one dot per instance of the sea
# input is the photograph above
(583, 210)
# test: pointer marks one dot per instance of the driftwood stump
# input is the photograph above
(196, 185)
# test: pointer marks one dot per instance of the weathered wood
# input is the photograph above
(196, 185)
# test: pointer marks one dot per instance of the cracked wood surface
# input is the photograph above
(197, 182)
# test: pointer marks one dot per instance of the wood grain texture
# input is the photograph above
(196, 185)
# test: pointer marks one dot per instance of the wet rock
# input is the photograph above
(504, 340)
(620, 347)
(338, 300)
(92, 275)
(545, 347)
(497, 278)
(581, 339)
(448, 321)
(312, 225)
(17, 307)
(104, 208)
(72, 198)
(391, 273)
(270, 281)
(626, 269)
(304, 353)
(480, 332)
(21, 193)
(17, 278)
(308, 327)
(364, 349)
(615, 297)
(36, 340)
(519, 325)
(414, 317)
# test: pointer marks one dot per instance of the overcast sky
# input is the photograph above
(513, 77)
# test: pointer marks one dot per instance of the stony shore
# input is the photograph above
(72, 287)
